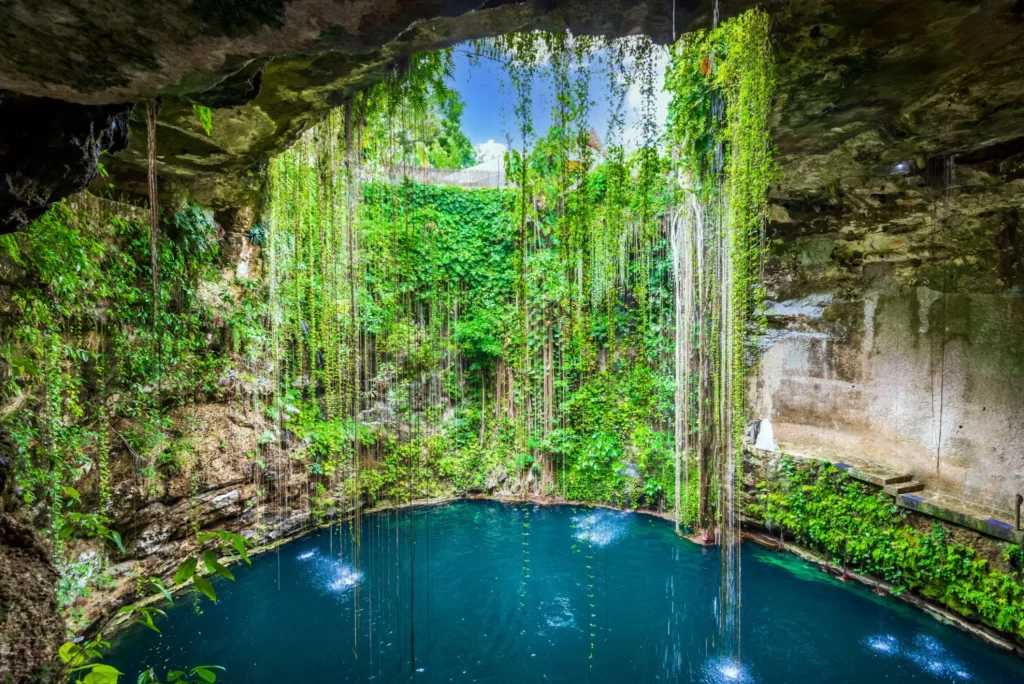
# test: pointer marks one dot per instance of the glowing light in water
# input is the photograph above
(600, 528)
(346, 579)
(329, 574)
(883, 644)
(927, 653)
(933, 657)
(559, 614)
(727, 670)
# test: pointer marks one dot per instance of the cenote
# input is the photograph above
(490, 592)
(704, 323)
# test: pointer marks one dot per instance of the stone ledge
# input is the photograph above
(988, 526)
(894, 483)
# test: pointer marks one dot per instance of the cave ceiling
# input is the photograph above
(864, 85)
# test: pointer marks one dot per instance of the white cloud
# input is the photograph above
(490, 150)
(634, 101)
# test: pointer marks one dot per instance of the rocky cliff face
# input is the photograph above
(31, 630)
(217, 485)
(895, 256)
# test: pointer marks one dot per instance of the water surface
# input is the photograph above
(490, 592)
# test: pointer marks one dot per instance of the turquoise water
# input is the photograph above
(489, 592)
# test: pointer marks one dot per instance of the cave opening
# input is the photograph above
(484, 360)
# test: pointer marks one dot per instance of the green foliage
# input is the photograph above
(484, 320)
(1014, 555)
(93, 379)
(233, 545)
(82, 661)
(825, 509)
(414, 118)
(83, 336)
(722, 82)
(205, 117)
(257, 235)
(200, 674)
(84, 525)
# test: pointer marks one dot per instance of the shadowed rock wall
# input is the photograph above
(897, 320)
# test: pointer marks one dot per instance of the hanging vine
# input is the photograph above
(722, 83)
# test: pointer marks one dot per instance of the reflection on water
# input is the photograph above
(437, 595)
(726, 670)
(558, 613)
(926, 652)
(600, 526)
(329, 574)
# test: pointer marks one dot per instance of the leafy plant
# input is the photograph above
(823, 508)
(205, 117)
(234, 545)
(200, 674)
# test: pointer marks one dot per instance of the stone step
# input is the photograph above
(896, 479)
(903, 488)
(959, 513)
(876, 475)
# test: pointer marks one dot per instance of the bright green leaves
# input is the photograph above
(80, 659)
(201, 674)
(85, 525)
(214, 566)
(205, 117)
(185, 571)
(864, 531)
(98, 673)
(83, 328)
(78, 662)
(73, 654)
(722, 82)
(229, 543)
(204, 586)
(144, 615)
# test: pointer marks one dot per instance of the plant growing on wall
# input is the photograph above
(863, 530)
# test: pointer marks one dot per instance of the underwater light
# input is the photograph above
(731, 671)
(902, 168)
(727, 670)
(600, 528)
(883, 644)
(346, 579)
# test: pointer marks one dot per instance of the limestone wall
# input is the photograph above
(924, 382)
(896, 323)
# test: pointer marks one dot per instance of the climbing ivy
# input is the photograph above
(84, 380)
(721, 82)
(484, 325)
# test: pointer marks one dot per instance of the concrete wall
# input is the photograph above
(926, 383)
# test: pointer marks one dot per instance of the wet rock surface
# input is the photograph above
(30, 628)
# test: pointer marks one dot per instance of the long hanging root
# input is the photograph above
(152, 109)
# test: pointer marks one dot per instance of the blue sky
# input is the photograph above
(490, 99)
